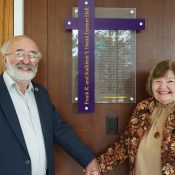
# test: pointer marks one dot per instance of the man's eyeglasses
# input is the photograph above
(20, 55)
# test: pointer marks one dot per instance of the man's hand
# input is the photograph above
(93, 168)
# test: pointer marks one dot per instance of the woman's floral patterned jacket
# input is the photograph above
(128, 142)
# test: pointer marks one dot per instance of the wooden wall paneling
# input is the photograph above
(36, 27)
(6, 23)
(157, 42)
(59, 75)
(87, 126)
(154, 44)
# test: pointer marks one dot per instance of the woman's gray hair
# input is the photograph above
(4, 48)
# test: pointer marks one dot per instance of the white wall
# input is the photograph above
(18, 17)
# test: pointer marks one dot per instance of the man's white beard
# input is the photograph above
(19, 75)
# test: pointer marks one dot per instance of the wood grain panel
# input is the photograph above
(45, 23)
(6, 23)
(35, 22)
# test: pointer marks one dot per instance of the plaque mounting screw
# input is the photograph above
(86, 108)
(76, 98)
(131, 99)
(69, 23)
(76, 10)
(141, 23)
(131, 11)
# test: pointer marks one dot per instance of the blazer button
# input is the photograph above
(27, 162)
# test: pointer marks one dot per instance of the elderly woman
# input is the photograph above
(149, 139)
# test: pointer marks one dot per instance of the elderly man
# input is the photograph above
(29, 123)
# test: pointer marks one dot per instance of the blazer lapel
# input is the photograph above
(10, 113)
(42, 115)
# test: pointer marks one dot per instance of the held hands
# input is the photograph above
(92, 168)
